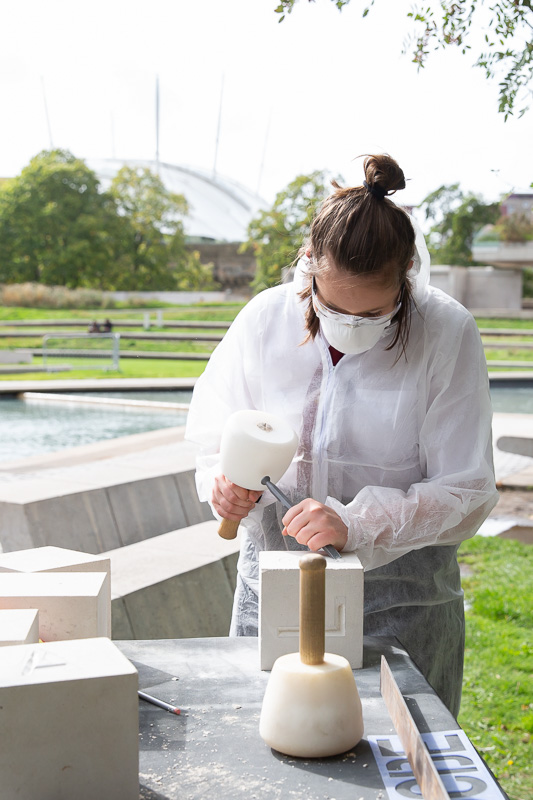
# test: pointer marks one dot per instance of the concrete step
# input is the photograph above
(176, 585)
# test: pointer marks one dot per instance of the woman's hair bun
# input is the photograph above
(383, 171)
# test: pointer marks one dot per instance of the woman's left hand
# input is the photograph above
(315, 525)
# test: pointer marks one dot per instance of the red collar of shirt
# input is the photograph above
(336, 355)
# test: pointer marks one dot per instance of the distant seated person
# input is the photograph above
(93, 327)
(107, 326)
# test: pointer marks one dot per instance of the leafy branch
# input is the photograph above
(508, 33)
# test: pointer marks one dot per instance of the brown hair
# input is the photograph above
(363, 233)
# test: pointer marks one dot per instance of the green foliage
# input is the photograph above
(456, 218)
(193, 275)
(527, 282)
(155, 253)
(286, 6)
(514, 228)
(276, 235)
(507, 53)
(56, 227)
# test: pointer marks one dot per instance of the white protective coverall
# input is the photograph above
(401, 451)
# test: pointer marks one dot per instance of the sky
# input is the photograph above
(256, 100)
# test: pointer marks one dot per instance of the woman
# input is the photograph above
(384, 379)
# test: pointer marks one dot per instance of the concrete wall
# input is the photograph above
(231, 268)
(99, 519)
(177, 585)
(504, 254)
(480, 287)
(183, 298)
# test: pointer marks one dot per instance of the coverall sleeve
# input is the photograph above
(220, 390)
(455, 451)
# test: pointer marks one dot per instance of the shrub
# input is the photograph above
(36, 295)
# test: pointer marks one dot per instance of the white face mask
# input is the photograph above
(350, 334)
(352, 340)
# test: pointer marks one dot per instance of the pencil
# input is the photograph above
(160, 703)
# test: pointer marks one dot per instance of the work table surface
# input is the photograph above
(213, 749)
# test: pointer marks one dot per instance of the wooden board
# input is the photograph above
(418, 755)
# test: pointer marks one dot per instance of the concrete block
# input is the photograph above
(146, 508)
(120, 622)
(71, 710)
(72, 605)
(59, 559)
(19, 626)
(195, 511)
(83, 520)
(118, 492)
(198, 604)
(279, 600)
(14, 531)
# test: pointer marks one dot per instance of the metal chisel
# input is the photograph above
(286, 503)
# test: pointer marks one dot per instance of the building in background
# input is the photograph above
(509, 243)
(220, 211)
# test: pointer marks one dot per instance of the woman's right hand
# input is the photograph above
(232, 501)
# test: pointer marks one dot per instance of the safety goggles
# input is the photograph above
(349, 320)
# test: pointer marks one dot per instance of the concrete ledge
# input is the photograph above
(16, 357)
(176, 585)
(521, 445)
(102, 505)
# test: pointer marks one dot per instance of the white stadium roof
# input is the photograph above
(219, 208)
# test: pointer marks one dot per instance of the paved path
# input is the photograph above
(511, 469)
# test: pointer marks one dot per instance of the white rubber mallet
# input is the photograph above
(311, 707)
(254, 445)
(256, 450)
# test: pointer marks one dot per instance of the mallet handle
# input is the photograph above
(228, 528)
(312, 608)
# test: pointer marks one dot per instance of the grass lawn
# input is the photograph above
(497, 705)
(184, 369)
(129, 368)
(526, 324)
(224, 312)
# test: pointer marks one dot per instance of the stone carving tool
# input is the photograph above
(256, 450)
(286, 503)
(311, 707)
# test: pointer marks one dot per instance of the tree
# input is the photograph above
(155, 243)
(155, 246)
(456, 218)
(56, 227)
(276, 235)
(194, 276)
(508, 33)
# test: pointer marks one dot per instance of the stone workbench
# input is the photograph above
(213, 749)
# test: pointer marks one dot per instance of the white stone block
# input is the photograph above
(279, 600)
(72, 605)
(58, 559)
(70, 714)
(19, 626)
